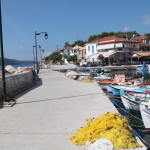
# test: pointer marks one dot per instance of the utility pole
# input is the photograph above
(57, 47)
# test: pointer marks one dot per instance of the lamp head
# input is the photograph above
(46, 35)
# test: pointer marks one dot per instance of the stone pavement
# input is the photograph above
(46, 116)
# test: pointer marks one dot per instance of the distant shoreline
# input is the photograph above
(21, 65)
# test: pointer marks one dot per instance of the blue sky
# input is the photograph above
(67, 21)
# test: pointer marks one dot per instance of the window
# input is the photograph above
(89, 48)
(92, 49)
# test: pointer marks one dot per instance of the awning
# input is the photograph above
(109, 53)
(136, 56)
(95, 56)
(105, 54)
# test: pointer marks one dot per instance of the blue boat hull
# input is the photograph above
(115, 91)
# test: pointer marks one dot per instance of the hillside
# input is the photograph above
(16, 62)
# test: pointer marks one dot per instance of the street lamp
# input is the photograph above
(46, 37)
(33, 57)
(41, 50)
(2, 58)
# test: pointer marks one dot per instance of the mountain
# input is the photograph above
(8, 61)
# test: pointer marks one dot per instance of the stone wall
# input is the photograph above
(17, 83)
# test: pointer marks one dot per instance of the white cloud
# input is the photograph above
(125, 29)
(146, 20)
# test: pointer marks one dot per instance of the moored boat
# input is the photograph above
(108, 87)
(132, 102)
(145, 113)
(102, 77)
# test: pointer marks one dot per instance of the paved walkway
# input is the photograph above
(46, 116)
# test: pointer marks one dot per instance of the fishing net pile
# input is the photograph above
(112, 126)
(86, 80)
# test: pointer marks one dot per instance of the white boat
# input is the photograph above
(132, 102)
(108, 87)
(145, 113)
(102, 77)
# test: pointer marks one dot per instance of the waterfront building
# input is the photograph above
(81, 57)
(112, 49)
(70, 50)
(144, 49)
(91, 50)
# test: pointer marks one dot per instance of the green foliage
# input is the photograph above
(148, 35)
(94, 37)
(79, 42)
(54, 57)
(105, 34)
(66, 56)
(72, 58)
(47, 60)
(117, 34)
(66, 44)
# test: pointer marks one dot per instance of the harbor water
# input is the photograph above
(134, 118)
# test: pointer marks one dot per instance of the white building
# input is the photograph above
(91, 49)
(69, 50)
(110, 47)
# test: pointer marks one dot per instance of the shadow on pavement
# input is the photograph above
(35, 85)
(58, 98)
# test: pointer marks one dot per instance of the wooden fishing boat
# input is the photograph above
(132, 102)
(145, 113)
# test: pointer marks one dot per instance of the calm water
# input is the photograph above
(133, 118)
(24, 65)
(21, 65)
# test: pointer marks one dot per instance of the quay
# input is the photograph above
(47, 115)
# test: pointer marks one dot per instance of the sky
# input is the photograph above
(66, 21)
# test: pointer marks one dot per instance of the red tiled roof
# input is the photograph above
(68, 47)
(141, 37)
(143, 54)
(112, 39)
(145, 44)
(109, 39)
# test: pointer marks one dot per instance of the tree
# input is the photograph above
(73, 58)
(79, 42)
(66, 44)
(147, 34)
(55, 57)
(94, 37)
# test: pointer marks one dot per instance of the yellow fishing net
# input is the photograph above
(87, 80)
(111, 126)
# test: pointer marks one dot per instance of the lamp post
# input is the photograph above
(36, 59)
(42, 50)
(2, 58)
(33, 57)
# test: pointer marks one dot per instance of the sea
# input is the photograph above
(21, 65)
